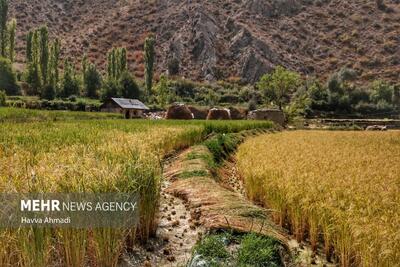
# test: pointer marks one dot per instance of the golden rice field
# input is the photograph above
(89, 156)
(337, 189)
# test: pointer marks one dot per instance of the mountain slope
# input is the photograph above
(218, 39)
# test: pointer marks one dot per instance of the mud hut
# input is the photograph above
(219, 114)
(274, 115)
(179, 112)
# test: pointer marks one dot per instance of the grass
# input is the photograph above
(47, 151)
(19, 115)
(339, 187)
(211, 248)
(256, 250)
(247, 250)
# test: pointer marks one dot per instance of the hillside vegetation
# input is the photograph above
(221, 39)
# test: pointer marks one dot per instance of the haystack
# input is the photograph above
(219, 114)
(198, 114)
(179, 112)
(237, 114)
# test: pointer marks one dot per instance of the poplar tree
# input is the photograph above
(149, 56)
(44, 53)
(3, 27)
(117, 63)
(11, 28)
(28, 51)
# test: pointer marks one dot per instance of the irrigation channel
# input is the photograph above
(200, 196)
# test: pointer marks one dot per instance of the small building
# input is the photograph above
(130, 108)
(274, 115)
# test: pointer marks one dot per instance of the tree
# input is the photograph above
(8, 80)
(28, 52)
(162, 91)
(53, 72)
(44, 53)
(3, 27)
(117, 63)
(128, 86)
(149, 57)
(110, 89)
(381, 91)
(70, 84)
(279, 85)
(11, 28)
(33, 73)
(91, 80)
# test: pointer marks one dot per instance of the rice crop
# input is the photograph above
(93, 156)
(336, 189)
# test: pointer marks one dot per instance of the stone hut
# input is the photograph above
(130, 108)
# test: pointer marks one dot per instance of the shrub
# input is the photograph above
(173, 66)
(48, 92)
(258, 250)
(212, 247)
(2, 98)
(8, 80)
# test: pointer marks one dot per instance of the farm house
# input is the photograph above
(131, 108)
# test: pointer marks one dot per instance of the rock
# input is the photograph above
(147, 264)
(167, 251)
(253, 66)
(175, 223)
(179, 112)
(171, 258)
(198, 261)
(219, 114)
(274, 115)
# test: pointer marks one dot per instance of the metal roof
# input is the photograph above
(129, 103)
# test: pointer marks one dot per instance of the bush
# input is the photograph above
(2, 98)
(258, 250)
(8, 80)
(72, 98)
(48, 92)
(110, 89)
(212, 247)
(173, 66)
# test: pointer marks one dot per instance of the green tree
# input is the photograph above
(8, 80)
(279, 85)
(109, 89)
(92, 80)
(44, 53)
(117, 63)
(53, 72)
(11, 28)
(3, 27)
(162, 90)
(128, 86)
(149, 57)
(33, 73)
(70, 83)
(381, 91)
(28, 52)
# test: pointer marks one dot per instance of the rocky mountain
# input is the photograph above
(227, 39)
